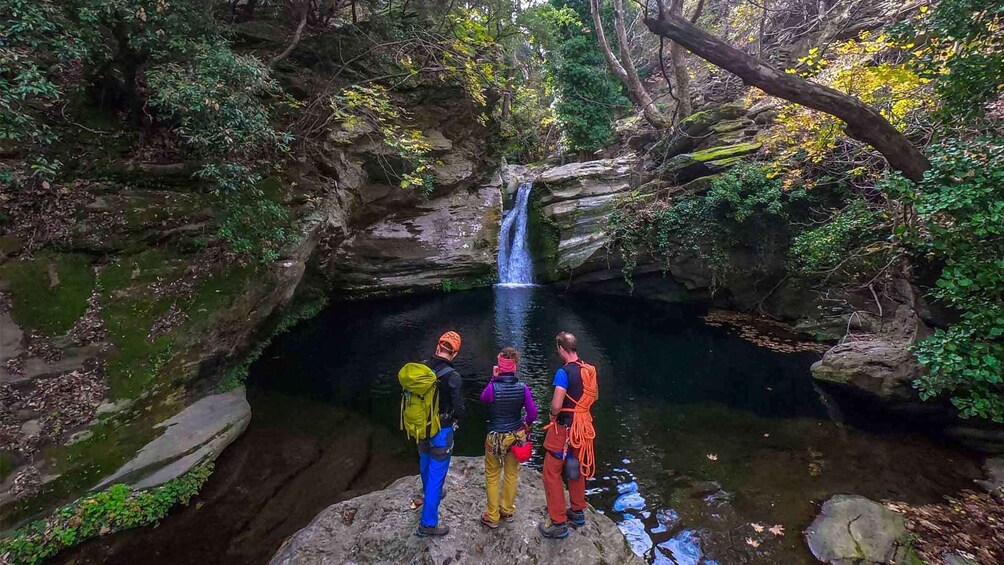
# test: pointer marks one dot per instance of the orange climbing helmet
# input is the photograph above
(450, 341)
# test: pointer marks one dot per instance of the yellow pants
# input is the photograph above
(508, 468)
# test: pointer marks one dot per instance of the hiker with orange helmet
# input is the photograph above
(434, 453)
(507, 399)
(568, 445)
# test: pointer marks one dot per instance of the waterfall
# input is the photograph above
(514, 263)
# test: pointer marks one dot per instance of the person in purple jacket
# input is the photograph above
(507, 398)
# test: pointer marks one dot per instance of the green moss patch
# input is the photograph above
(544, 237)
(50, 291)
(136, 358)
(6, 464)
(131, 308)
(467, 283)
(724, 152)
(143, 268)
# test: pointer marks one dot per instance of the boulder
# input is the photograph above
(686, 167)
(853, 530)
(882, 370)
(195, 435)
(994, 481)
(691, 131)
(577, 199)
(379, 527)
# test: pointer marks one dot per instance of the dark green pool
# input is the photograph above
(700, 434)
(673, 392)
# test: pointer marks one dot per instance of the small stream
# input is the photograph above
(701, 433)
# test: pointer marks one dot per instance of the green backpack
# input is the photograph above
(420, 399)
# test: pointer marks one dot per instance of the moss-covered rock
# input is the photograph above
(50, 290)
(689, 166)
(691, 131)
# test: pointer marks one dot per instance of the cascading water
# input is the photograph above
(514, 263)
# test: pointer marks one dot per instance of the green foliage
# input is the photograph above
(115, 509)
(962, 48)
(960, 226)
(256, 226)
(213, 98)
(360, 106)
(744, 210)
(589, 99)
(33, 50)
(845, 246)
(165, 65)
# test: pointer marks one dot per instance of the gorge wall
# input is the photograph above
(125, 336)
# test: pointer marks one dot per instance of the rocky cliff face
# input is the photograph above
(118, 323)
(380, 528)
(573, 202)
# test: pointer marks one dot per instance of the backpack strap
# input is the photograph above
(434, 406)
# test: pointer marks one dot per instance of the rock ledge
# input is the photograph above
(380, 528)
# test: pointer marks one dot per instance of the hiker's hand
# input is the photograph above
(495, 372)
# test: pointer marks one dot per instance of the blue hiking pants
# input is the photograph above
(433, 463)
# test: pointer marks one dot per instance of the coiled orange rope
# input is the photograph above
(582, 433)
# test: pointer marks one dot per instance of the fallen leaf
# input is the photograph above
(757, 528)
(752, 542)
(713, 457)
(777, 530)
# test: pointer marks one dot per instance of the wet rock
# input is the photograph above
(853, 530)
(196, 434)
(994, 481)
(956, 559)
(881, 369)
(11, 341)
(382, 529)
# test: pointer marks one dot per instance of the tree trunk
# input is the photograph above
(681, 76)
(627, 74)
(305, 10)
(651, 111)
(863, 122)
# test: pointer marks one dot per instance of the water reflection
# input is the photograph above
(512, 307)
(683, 549)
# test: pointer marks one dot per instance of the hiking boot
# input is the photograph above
(488, 523)
(424, 531)
(508, 518)
(553, 531)
(577, 517)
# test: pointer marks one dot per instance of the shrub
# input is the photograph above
(852, 242)
(743, 210)
(117, 508)
(959, 227)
